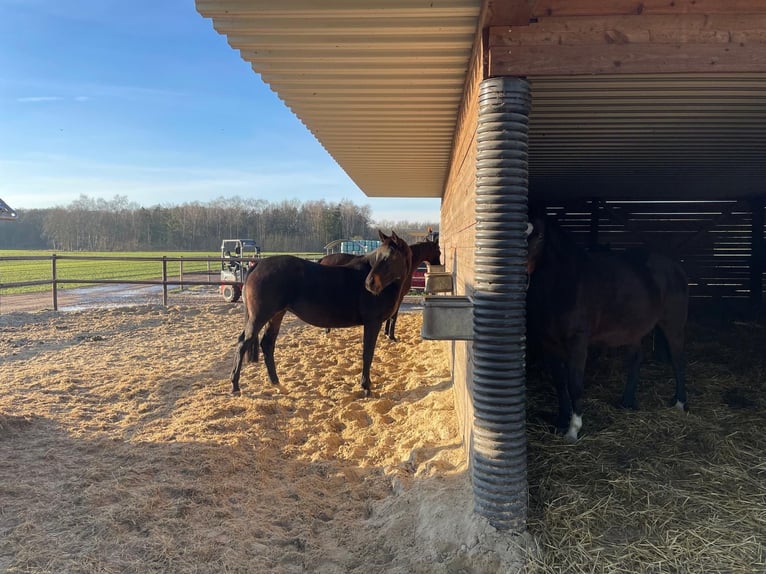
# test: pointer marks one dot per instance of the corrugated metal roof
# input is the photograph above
(648, 136)
(378, 83)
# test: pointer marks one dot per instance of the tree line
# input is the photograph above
(89, 224)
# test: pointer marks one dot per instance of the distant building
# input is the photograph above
(6, 211)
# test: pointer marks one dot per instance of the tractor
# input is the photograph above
(237, 257)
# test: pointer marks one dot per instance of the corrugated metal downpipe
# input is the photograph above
(499, 447)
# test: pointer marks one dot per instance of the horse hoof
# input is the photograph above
(624, 404)
(566, 433)
(236, 392)
(680, 405)
(571, 438)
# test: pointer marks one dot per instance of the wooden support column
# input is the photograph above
(595, 205)
(757, 252)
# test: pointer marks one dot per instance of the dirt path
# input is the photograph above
(103, 297)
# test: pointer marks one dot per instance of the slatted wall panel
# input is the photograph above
(712, 239)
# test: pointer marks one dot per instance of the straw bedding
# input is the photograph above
(653, 490)
(124, 451)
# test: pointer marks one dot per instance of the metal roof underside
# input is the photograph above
(377, 83)
(652, 137)
(380, 83)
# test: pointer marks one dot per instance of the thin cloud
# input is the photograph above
(28, 99)
(78, 91)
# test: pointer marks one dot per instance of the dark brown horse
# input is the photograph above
(576, 299)
(329, 297)
(427, 251)
(423, 251)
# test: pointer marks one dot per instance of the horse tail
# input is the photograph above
(251, 348)
(249, 334)
(248, 340)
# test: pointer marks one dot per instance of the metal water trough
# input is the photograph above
(447, 317)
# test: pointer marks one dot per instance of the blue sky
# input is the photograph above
(144, 99)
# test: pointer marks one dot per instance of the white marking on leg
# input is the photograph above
(575, 424)
(681, 406)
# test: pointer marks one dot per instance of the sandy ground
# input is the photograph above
(124, 451)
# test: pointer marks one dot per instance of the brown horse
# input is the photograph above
(576, 299)
(428, 251)
(329, 297)
(423, 251)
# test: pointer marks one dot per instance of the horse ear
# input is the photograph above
(382, 235)
(394, 235)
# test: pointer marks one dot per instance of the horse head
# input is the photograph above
(435, 255)
(388, 263)
(428, 251)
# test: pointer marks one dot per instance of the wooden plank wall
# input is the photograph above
(712, 239)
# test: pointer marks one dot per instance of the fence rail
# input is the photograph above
(171, 271)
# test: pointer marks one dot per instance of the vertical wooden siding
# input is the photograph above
(458, 232)
(711, 238)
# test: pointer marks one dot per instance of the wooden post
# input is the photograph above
(54, 283)
(594, 216)
(757, 251)
(164, 280)
(181, 274)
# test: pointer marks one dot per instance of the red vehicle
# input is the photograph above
(419, 277)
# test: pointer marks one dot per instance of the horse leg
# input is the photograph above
(576, 384)
(675, 339)
(268, 342)
(560, 376)
(371, 331)
(391, 326)
(238, 358)
(632, 364)
(246, 344)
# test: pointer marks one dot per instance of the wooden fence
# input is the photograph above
(186, 272)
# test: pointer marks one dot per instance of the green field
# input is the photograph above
(83, 265)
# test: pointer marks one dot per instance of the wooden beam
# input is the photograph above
(506, 13)
(671, 29)
(544, 8)
(530, 61)
(681, 43)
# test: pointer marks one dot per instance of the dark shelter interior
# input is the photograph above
(654, 476)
